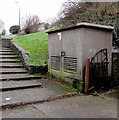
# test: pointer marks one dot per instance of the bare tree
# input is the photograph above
(31, 24)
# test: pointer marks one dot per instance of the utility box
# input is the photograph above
(70, 47)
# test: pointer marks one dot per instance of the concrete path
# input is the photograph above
(80, 107)
(74, 107)
(9, 37)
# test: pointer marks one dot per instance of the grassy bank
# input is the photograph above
(35, 46)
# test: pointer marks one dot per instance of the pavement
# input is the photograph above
(9, 36)
(72, 107)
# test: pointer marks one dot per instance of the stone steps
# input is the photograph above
(12, 71)
(11, 68)
(26, 76)
(6, 50)
(7, 53)
(8, 57)
(15, 85)
(9, 61)
(11, 65)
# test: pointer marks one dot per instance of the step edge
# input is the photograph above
(48, 99)
(23, 78)
(5, 89)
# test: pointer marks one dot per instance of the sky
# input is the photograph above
(45, 9)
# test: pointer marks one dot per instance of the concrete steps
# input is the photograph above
(6, 53)
(9, 61)
(5, 50)
(18, 87)
(12, 71)
(8, 57)
(15, 85)
(26, 76)
(10, 65)
(13, 75)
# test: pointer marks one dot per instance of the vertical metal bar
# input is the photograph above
(87, 76)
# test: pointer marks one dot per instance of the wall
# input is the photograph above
(93, 41)
(71, 44)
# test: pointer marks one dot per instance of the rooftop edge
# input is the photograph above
(83, 24)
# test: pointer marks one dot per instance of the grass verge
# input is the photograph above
(35, 46)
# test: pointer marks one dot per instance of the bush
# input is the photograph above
(14, 29)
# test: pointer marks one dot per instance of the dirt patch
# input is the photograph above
(112, 93)
(54, 79)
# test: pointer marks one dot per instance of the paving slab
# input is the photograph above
(26, 95)
(80, 107)
(51, 85)
(23, 112)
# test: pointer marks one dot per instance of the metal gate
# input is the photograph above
(99, 70)
(115, 69)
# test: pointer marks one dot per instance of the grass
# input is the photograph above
(35, 46)
(2, 36)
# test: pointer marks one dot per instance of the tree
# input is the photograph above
(73, 12)
(47, 25)
(14, 29)
(116, 33)
(31, 24)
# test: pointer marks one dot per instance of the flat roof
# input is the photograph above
(85, 25)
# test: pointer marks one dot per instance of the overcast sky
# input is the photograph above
(45, 9)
